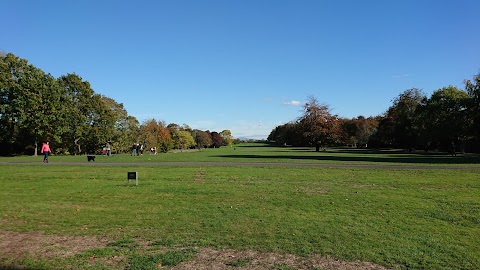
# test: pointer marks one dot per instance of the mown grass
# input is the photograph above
(262, 152)
(419, 219)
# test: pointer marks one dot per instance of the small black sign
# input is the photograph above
(132, 176)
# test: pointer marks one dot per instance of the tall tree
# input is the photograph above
(156, 134)
(288, 134)
(443, 117)
(202, 139)
(29, 106)
(358, 130)
(473, 90)
(85, 115)
(184, 139)
(216, 139)
(125, 127)
(320, 128)
(227, 138)
(404, 112)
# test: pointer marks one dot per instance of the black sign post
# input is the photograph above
(132, 176)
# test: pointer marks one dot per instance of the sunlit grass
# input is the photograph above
(258, 152)
(407, 218)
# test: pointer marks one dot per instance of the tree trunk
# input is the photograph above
(317, 148)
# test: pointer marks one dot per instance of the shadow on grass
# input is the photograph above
(256, 145)
(18, 268)
(375, 156)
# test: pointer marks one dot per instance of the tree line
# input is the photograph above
(66, 111)
(449, 117)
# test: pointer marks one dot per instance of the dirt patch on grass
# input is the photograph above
(36, 245)
(16, 246)
(210, 259)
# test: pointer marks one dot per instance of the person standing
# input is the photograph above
(45, 150)
(134, 149)
(109, 146)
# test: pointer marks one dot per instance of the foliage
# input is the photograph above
(450, 117)
(357, 131)
(442, 118)
(30, 106)
(403, 112)
(66, 111)
(473, 90)
(320, 128)
(202, 139)
(125, 127)
(183, 139)
(155, 134)
(216, 139)
(227, 138)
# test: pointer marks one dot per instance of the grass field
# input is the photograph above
(403, 218)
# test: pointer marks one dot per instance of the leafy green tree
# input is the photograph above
(404, 112)
(443, 117)
(89, 119)
(29, 106)
(202, 139)
(288, 134)
(473, 90)
(227, 138)
(184, 139)
(125, 127)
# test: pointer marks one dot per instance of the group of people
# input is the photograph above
(137, 149)
(106, 151)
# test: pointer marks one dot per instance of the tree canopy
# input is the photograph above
(449, 116)
(67, 112)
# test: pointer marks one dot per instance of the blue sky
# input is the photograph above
(248, 65)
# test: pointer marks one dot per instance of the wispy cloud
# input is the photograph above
(400, 76)
(293, 103)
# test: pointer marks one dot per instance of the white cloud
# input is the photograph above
(293, 103)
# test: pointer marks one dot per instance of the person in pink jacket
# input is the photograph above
(45, 151)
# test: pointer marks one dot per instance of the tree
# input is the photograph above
(404, 112)
(185, 139)
(216, 139)
(202, 139)
(320, 128)
(443, 117)
(473, 90)
(125, 127)
(83, 112)
(227, 138)
(288, 134)
(359, 130)
(29, 106)
(155, 134)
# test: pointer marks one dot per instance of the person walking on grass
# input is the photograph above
(45, 150)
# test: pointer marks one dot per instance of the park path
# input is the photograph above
(262, 164)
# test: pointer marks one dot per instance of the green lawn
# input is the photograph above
(423, 219)
(257, 152)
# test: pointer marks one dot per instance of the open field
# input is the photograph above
(71, 214)
(264, 153)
